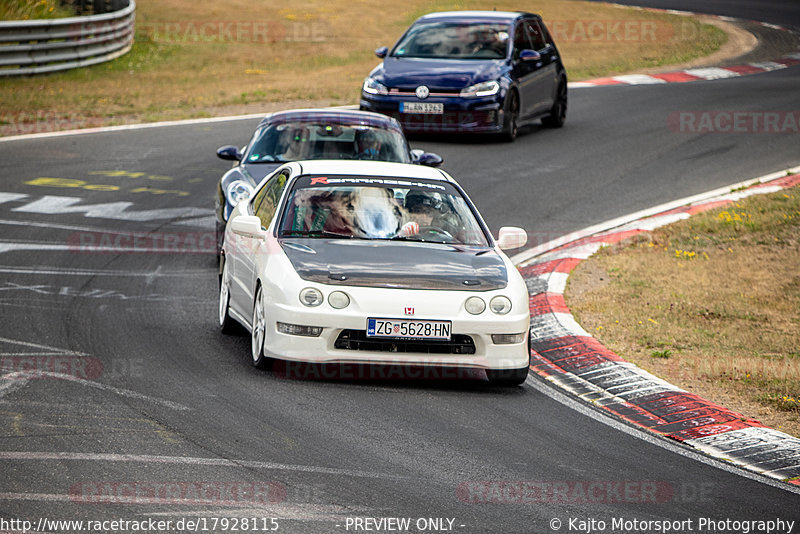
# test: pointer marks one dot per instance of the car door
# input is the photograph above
(264, 206)
(546, 73)
(524, 72)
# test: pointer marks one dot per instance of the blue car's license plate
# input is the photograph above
(427, 108)
(408, 329)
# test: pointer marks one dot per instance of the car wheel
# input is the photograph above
(558, 113)
(511, 117)
(227, 324)
(258, 333)
(507, 377)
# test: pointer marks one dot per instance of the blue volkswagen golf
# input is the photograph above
(470, 71)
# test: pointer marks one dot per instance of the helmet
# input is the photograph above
(417, 201)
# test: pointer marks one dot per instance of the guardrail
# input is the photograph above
(40, 46)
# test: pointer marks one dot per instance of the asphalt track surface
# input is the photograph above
(138, 390)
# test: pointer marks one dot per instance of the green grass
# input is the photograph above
(30, 9)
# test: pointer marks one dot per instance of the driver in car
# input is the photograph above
(368, 145)
(422, 209)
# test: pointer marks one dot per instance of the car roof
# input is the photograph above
(504, 16)
(372, 168)
(348, 116)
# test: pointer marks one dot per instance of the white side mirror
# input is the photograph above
(511, 237)
(247, 226)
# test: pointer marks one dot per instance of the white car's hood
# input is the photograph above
(405, 265)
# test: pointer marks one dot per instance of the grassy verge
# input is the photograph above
(711, 304)
(32, 9)
(195, 58)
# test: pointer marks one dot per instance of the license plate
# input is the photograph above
(422, 107)
(408, 329)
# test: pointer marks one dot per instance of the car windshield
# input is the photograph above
(454, 40)
(292, 141)
(380, 208)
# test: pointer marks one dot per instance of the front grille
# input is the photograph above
(448, 121)
(358, 340)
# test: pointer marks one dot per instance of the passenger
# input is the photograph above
(296, 143)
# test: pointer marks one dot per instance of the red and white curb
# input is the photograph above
(693, 75)
(569, 357)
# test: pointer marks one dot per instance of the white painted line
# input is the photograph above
(712, 73)
(56, 226)
(9, 385)
(183, 460)
(638, 79)
(146, 125)
(525, 256)
(555, 282)
(14, 246)
(59, 351)
(768, 65)
(651, 223)
(129, 127)
(23, 378)
(773, 26)
(580, 85)
(17, 354)
(62, 271)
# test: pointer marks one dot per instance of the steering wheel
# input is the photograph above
(435, 230)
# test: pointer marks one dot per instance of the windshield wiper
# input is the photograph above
(269, 159)
(316, 233)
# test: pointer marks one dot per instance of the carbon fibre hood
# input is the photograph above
(402, 265)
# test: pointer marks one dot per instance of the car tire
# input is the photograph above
(558, 113)
(507, 377)
(258, 333)
(227, 324)
(511, 116)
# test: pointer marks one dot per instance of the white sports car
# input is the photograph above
(376, 263)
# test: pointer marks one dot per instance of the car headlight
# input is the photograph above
(338, 300)
(238, 191)
(475, 305)
(311, 297)
(500, 305)
(374, 87)
(481, 89)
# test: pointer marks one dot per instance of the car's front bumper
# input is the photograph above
(461, 115)
(390, 303)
